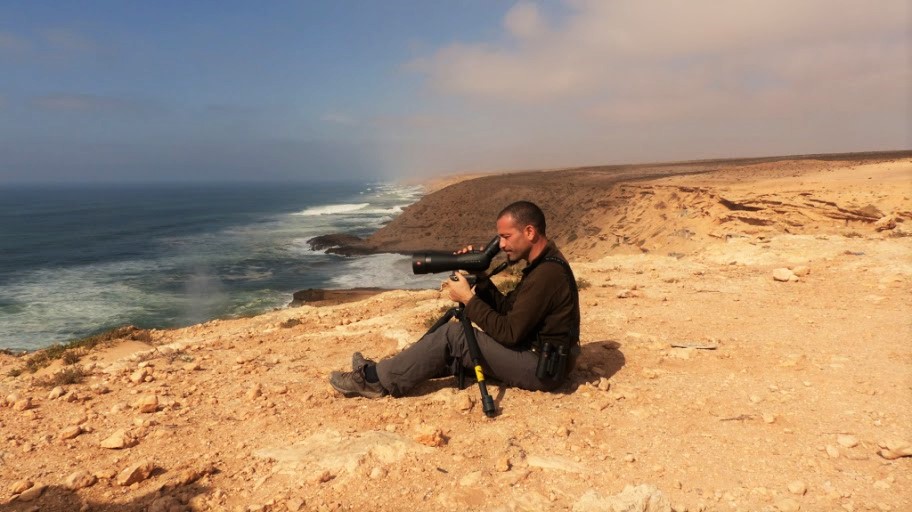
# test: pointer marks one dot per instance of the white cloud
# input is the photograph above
(580, 87)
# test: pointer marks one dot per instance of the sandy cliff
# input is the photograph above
(746, 346)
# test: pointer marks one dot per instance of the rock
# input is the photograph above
(642, 498)
(377, 472)
(503, 464)
(894, 449)
(832, 451)
(431, 436)
(23, 404)
(797, 487)
(20, 486)
(769, 418)
(192, 366)
(604, 384)
(105, 474)
(79, 480)
(135, 473)
(466, 403)
(783, 274)
(33, 493)
(254, 392)
(627, 294)
(801, 271)
(70, 432)
(118, 440)
(885, 223)
(139, 376)
(147, 404)
(629, 458)
(56, 393)
(190, 475)
(321, 477)
(788, 505)
(847, 441)
(71, 397)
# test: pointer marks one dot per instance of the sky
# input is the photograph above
(220, 91)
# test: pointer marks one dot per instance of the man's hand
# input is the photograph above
(459, 289)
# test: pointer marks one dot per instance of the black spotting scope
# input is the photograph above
(441, 261)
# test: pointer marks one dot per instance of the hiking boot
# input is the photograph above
(359, 361)
(354, 384)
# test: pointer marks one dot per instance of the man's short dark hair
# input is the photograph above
(526, 213)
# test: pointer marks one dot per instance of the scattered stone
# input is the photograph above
(801, 271)
(503, 464)
(882, 485)
(118, 440)
(190, 475)
(885, 223)
(642, 498)
(20, 486)
(847, 441)
(254, 392)
(784, 275)
(604, 384)
(56, 393)
(627, 294)
(377, 472)
(105, 474)
(139, 376)
(23, 404)
(80, 479)
(769, 418)
(135, 473)
(71, 397)
(832, 451)
(431, 436)
(70, 432)
(755, 399)
(192, 366)
(466, 403)
(894, 449)
(797, 487)
(629, 458)
(32, 493)
(147, 404)
(321, 477)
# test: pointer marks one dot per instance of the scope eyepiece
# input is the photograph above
(432, 262)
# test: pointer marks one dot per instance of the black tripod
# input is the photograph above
(487, 402)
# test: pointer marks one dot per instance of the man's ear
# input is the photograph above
(529, 232)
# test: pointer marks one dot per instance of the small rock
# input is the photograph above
(431, 436)
(118, 440)
(769, 418)
(33, 493)
(322, 477)
(71, 397)
(56, 393)
(801, 271)
(135, 473)
(783, 274)
(797, 487)
(894, 449)
(755, 399)
(377, 472)
(192, 366)
(139, 376)
(466, 403)
(885, 223)
(80, 479)
(882, 485)
(642, 498)
(105, 474)
(503, 464)
(20, 486)
(70, 432)
(627, 294)
(147, 404)
(23, 404)
(604, 384)
(254, 392)
(832, 451)
(847, 441)
(629, 458)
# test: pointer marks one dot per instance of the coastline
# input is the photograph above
(690, 341)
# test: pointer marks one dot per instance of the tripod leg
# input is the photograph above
(487, 402)
(442, 320)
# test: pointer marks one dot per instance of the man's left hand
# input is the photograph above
(460, 291)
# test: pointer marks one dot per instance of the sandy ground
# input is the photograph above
(704, 384)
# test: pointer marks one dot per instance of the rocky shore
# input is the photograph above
(745, 347)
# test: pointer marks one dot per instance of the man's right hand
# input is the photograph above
(467, 249)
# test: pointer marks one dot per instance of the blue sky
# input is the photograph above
(218, 91)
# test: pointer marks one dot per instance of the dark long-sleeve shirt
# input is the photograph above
(544, 302)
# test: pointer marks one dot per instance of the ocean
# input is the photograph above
(78, 260)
